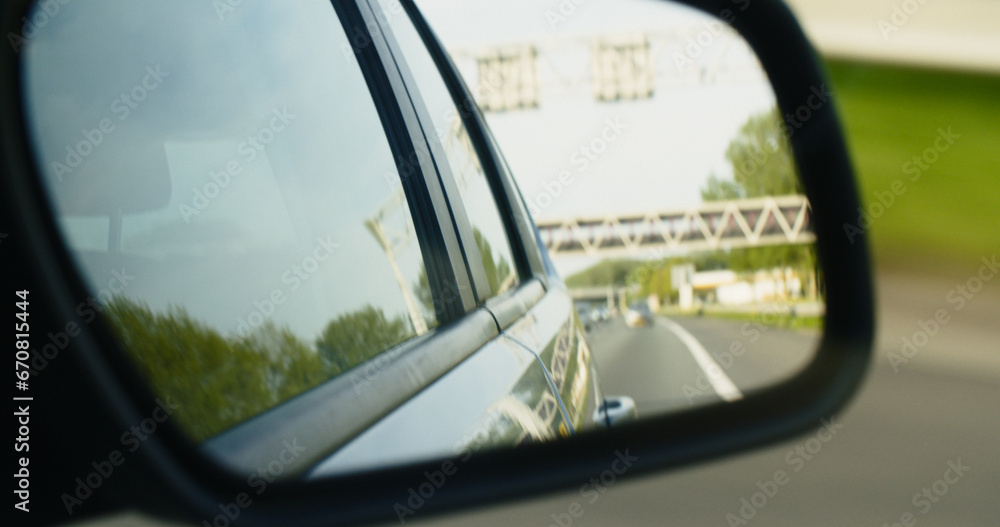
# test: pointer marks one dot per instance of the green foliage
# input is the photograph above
(604, 273)
(718, 189)
(947, 218)
(497, 271)
(422, 290)
(762, 162)
(216, 382)
(776, 320)
(800, 257)
(360, 335)
(293, 366)
(657, 283)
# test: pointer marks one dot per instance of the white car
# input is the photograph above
(638, 316)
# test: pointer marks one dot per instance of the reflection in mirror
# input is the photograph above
(227, 188)
(199, 204)
(646, 142)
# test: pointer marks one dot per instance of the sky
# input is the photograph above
(661, 151)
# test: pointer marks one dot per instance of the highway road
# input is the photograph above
(680, 362)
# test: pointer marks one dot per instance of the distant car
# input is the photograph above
(598, 314)
(638, 316)
(615, 411)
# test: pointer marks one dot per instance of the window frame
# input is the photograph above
(439, 243)
(517, 223)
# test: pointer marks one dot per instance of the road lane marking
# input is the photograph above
(721, 383)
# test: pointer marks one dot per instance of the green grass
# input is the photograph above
(783, 321)
(950, 217)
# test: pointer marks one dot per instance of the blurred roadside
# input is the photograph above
(918, 87)
(917, 84)
(949, 34)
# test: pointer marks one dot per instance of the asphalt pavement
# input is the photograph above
(657, 367)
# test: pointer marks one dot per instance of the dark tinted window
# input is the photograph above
(229, 193)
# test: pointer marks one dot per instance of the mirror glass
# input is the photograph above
(645, 139)
(224, 180)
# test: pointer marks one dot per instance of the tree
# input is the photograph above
(292, 365)
(217, 382)
(761, 159)
(355, 337)
(718, 189)
(658, 283)
(801, 258)
(763, 165)
(422, 290)
(497, 271)
(604, 273)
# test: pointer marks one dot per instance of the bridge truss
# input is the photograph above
(711, 226)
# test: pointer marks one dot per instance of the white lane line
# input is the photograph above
(721, 383)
